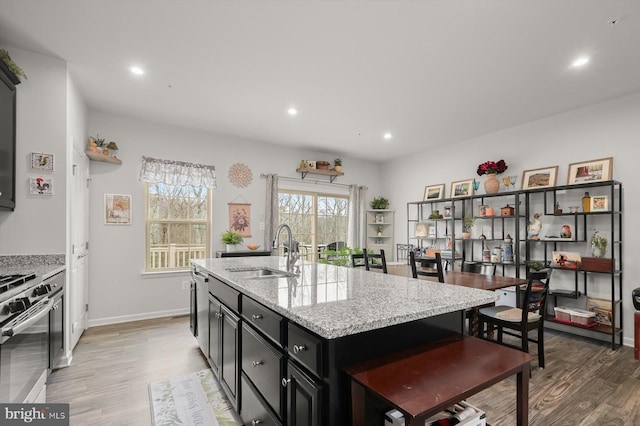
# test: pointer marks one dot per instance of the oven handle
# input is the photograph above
(9, 333)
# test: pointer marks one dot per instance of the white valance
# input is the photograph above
(177, 173)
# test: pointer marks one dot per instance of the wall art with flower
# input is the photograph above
(240, 218)
(117, 209)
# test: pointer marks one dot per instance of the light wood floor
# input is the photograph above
(584, 382)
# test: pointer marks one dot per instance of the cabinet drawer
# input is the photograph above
(264, 319)
(226, 294)
(305, 348)
(264, 366)
(254, 410)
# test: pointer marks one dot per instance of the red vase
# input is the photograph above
(492, 184)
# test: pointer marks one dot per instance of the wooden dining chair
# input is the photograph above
(435, 265)
(402, 252)
(358, 259)
(375, 261)
(521, 320)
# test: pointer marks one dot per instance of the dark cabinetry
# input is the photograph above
(303, 397)
(7, 137)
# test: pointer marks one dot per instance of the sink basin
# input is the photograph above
(260, 272)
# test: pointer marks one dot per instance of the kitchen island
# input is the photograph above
(293, 334)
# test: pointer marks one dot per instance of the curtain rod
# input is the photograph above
(293, 179)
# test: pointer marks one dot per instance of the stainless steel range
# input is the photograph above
(24, 337)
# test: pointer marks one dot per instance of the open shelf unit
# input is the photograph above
(96, 156)
(331, 173)
(600, 276)
(380, 232)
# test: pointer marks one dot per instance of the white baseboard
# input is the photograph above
(137, 317)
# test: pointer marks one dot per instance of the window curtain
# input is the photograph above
(357, 217)
(177, 173)
(271, 209)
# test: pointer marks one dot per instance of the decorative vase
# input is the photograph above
(492, 184)
(337, 168)
(466, 235)
(596, 252)
(231, 247)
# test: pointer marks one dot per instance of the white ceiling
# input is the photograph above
(430, 72)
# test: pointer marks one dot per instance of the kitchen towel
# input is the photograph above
(192, 399)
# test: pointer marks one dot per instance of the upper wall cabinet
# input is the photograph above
(7, 137)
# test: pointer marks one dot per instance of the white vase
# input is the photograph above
(231, 247)
(595, 251)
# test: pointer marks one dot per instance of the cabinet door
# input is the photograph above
(230, 370)
(56, 334)
(303, 399)
(215, 318)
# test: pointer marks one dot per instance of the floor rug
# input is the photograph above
(192, 399)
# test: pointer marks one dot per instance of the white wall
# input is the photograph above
(610, 129)
(118, 289)
(37, 226)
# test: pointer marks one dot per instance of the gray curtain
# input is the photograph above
(356, 234)
(271, 211)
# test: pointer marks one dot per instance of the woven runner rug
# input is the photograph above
(192, 399)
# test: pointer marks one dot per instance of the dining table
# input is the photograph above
(464, 279)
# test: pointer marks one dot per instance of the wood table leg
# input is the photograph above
(522, 392)
(474, 322)
(357, 404)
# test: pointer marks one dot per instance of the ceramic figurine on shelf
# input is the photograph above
(565, 232)
(533, 230)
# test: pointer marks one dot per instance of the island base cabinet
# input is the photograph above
(254, 409)
(304, 398)
(224, 345)
(264, 366)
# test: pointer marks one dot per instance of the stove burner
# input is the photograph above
(14, 280)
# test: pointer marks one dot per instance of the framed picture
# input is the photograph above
(311, 164)
(379, 218)
(540, 178)
(41, 161)
(566, 259)
(40, 186)
(462, 188)
(117, 209)
(434, 192)
(599, 203)
(447, 212)
(602, 308)
(590, 171)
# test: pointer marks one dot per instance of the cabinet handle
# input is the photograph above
(256, 317)
(299, 348)
(255, 422)
(285, 382)
(257, 363)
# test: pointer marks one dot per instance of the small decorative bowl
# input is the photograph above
(253, 247)
(574, 209)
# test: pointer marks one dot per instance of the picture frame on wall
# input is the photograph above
(117, 209)
(599, 203)
(42, 162)
(462, 188)
(40, 186)
(434, 192)
(599, 170)
(545, 177)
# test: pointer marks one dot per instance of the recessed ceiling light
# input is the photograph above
(292, 111)
(136, 70)
(387, 136)
(581, 61)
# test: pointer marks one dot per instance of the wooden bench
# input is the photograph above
(423, 381)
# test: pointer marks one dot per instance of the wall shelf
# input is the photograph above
(95, 156)
(331, 173)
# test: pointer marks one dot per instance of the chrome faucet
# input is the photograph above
(292, 246)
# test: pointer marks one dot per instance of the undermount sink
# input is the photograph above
(261, 272)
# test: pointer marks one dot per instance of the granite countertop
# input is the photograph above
(335, 301)
(44, 266)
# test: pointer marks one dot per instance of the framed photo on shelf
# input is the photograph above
(545, 177)
(447, 213)
(602, 308)
(462, 188)
(599, 203)
(434, 192)
(590, 171)
(117, 209)
(379, 218)
(42, 162)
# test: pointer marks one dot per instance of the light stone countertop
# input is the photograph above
(335, 301)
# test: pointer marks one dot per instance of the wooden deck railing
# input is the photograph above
(174, 256)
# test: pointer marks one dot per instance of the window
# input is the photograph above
(178, 223)
(318, 221)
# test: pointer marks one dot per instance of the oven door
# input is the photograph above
(24, 356)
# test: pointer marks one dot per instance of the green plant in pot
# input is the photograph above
(467, 223)
(598, 244)
(231, 239)
(379, 203)
(4, 55)
(337, 165)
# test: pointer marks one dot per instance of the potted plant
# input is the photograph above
(467, 223)
(231, 239)
(337, 165)
(15, 69)
(379, 203)
(598, 244)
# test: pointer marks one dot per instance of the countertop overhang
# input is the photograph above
(336, 301)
